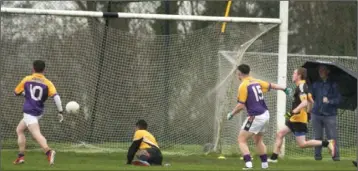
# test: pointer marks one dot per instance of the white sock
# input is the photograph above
(264, 165)
(248, 164)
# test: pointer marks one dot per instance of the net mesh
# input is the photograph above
(262, 67)
(346, 126)
(176, 83)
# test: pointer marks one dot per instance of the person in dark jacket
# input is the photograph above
(324, 113)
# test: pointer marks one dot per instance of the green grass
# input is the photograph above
(36, 160)
(171, 148)
(97, 157)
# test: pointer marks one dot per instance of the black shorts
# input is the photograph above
(297, 128)
(153, 156)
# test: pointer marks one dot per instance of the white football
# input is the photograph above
(72, 107)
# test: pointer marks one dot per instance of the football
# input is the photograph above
(72, 107)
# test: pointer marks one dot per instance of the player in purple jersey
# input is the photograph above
(36, 88)
(250, 96)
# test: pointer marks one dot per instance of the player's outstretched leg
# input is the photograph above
(302, 143)
(21, 141)
(278, 144)
(243, 137)
(261, 150)
(34, 128)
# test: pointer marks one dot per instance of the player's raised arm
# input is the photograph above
(288, 91)
(266, 86)
(277, 87)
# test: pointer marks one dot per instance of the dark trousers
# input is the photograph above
(328, 124)
(151, 155)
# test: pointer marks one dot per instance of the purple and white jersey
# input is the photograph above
(250, 93)
(37, 89)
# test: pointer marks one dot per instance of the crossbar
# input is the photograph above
(137, 15)
(290, 55)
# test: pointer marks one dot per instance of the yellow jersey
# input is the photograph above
(301, 94)
(148, 140)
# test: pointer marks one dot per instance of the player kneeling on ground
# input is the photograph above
(145, 147)
(297, 119)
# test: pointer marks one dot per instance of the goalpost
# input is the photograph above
(200, 73)
(282, 67)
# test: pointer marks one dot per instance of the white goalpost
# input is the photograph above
(191, 110)
(282, 67)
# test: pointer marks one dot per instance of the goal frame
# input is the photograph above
(283, 37)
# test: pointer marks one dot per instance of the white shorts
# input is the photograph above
(29, 119)
(256, 124)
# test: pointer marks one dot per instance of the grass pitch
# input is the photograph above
(36, 160)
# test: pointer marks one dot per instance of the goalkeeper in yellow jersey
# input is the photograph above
(144, 147)
(297, 118)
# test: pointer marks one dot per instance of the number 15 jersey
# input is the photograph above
(250, 93)
(37, 89)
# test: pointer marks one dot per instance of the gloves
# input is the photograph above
(60, 117)
(288, 91)
(288, 115)
(229, 116)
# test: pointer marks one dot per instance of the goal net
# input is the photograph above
(183, 85)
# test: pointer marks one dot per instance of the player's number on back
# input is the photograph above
(36, 92)
(258, 92)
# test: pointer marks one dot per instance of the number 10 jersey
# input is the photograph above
(37, 88)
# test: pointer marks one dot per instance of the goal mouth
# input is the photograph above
(182, 84)
(170, 81)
